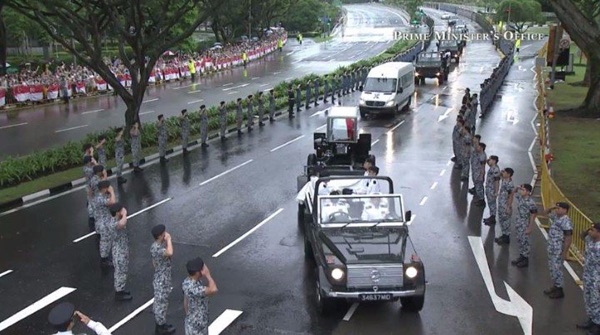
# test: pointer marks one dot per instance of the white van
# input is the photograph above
(388, 89)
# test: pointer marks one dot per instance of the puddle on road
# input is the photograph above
(442, 100)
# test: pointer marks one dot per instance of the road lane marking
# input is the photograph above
(351, 311)
(268, 89)
(396, 127)
(234, 87)
(321, 127)
(278, 72)
(445, 115)
(186, 86)
(423, 201)
(36, 306)
(225, 172)
(72, 128)
(232, 92)
(433, 186)
(248, 233)
(131, 315)
(288, 78)
(254, 78)
(92, 111)
(14, 125)
(5, 273)
(228, 84)
(442, 173)
(319, 112)
(148, 112)
(286, 143)
(194, 91)
(128, 217)
(223, 321)
(375, 142)
(263, 85)
(155, 99)
(195, 101)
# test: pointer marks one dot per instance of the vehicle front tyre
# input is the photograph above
(325, 305)
(363, 114)
(407, 106)
(301, 217)
(413, 304)
(311, 160)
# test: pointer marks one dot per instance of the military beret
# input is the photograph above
(563, 205)
(203, 106)
(158, 230)
(528, 187)
(61, 314)
(103, 184)
(184, 111)
(195, 265)
(87, 159)
(98, 168)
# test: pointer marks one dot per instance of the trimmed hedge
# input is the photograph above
(15, 170)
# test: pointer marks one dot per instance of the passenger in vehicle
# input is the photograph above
(375, 210)
(370, 186)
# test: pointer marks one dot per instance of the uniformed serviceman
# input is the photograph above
(475, 104)
(120, 250)
(62, 317)
(239, 115)
(102, 202)
(560, 236)
(467, 97)
(203, 126)
(161, 252)
(101, 150)
(525, 220)
(325, 88)
(335, 87)
(88, 172)
(317, 93)
(272, 105)
(505, 200)
(591, 279)
(184, 123)
(352, 80)
(492, 186)
(478, 160)
(261, 109)
(307, 95)
(250, 112)
(345, 84)
(223, 120)
(196, 295)
(456, 137)
(290, 94)
(161, 130)
(466, 150)
(298, 97)
(374, 211)
(120, 154)
(136, 146)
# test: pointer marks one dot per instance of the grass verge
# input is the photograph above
(321, 39)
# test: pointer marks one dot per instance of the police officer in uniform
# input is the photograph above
(136, 146)
(317, 93)
(272, 105)
(492, 186)
(203, 126)
(104, 198)
(120, 155)
(239, 116)
(62, 317)
(162, 252)
(196, 296)
(325, 88)
(249, 113)
(298, 97)
(307, 95)
(560, 236)
(591, 279)
(261, 109)
(120, 250)
(526, 213)
(478, 160)
(185, 130)
(161, 129)
(505, 200)
(223, 120)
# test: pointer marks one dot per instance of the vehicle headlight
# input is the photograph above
(416, 74)
(389, 103)
(361, 101)
(338, 273)
(411, 272)
(437, 74)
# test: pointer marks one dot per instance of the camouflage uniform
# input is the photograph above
(556, 236)
(161, 129)
(223, 120)
(88, 173)
(493, 175)
(203, 125)
(101, 156)
(196, 319)
(103, 218)
(239, 116)
(298, 97)
(185, 131)
(307, 96)
(261, 108)
(591, 279)
(466, 149)
(120, 156)
(271, 106)
(478, 160)
(352, 80)
(335, 88)
(325, 89)
(317, 93)
(136, 148)
(525, 207)
(162, 281)
(506, 187)
(249, 113)
(456, 144)
(120, 253)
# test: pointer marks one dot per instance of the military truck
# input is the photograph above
(359, 244)
(430, 65)
(452, 46)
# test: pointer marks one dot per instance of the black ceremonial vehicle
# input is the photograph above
(430, 65)
(358, 244)
(453, 46)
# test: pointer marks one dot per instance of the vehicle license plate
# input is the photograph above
(375, 297)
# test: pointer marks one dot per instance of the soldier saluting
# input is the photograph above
(223, 120)
(62, 317)
(203, 126)
(196, 295)
(161, 252)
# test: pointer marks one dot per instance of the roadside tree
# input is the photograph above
(520, 13)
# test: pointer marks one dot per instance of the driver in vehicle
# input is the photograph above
(375, 210)
(332, 208)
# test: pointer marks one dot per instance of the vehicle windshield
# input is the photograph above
(368, 246)
(358, 210)
(429, 58)
(383, 85)
(448, 43)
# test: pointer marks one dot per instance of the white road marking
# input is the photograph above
(186, 86)
(232, 92)
(225, 172)
(228, 84)
(288, 78)
(278, 72)
(254, 78)
(145, 101)
(445, 115)
(5, 273)
(268, 89)
(317, 113)
(516, 305)
(131, 316)
(423, 201)
(351, 311)
(194, 91)
(442, 173)
(148, 112)
(36, 306)
(223, 321)
(374, 142)
(434, 185)
(128, 217)
(72, 128)
(263, 85)
(321, 127)
(92, 111)
(195, 101)
(286, 143)
(395, 127)
(14, 125)
(234, 87)
(220, 252)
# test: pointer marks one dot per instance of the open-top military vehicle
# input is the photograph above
(430, 65)
(453, 46)
(359, 244)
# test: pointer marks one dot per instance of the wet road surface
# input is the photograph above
(369, 31)
(212, 198)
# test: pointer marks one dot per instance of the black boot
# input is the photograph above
(121, 180)
(165, 329)
(523, 263)
(271, 119)
(92, 224)
(464, 179)
(588, 324)
(480, 203)
(123, 296)
(458, 167)
(163, 159)
(557, 294)
(453, 159)
(185, 151)
(261, 124)
(239, 132)
(105, 263)
(472, 190)
(550, 290)
(594, 330)
(223, 138)
(137, 169)
(204, 145)
(502, 240)
(490, 221)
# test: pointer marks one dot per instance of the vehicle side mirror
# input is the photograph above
(407, 216)
(400, 90)
(360, 88)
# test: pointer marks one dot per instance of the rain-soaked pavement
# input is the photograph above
(209, 199)
(369, 32)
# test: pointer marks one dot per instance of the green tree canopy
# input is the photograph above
(520, 13)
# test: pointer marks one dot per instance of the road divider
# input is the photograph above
(72, 128)
(239, 239)
(287, 143)
(13, 125)
(225, 172)
(5, 273)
